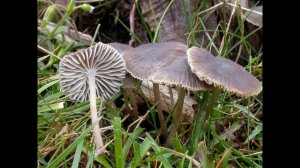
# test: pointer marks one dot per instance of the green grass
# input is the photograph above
(232, 134)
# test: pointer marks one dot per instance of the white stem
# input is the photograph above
(93, 106)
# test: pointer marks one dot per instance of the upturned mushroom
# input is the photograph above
(97, 71)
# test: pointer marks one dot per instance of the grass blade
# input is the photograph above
(90, 158)
(77, 155)
(136, 158)
(244, 110)
(54, 96)
(158, 151)
(229, 131)
(145, 146)
(40, 90)
(223, 163)
(118, 143)
(159, 23)
(103, 161)
(132, 137)
(256, 131)
(198, 131)
(69, 149)
(204, 160)
(51, 107)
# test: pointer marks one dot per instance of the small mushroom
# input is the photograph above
(178, 73)
(222, 72)
(97, 71)
(144, 60)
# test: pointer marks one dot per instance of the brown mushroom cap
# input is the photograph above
(253, 17)
(144, 60)
(222, 72)
(100, 60)
(179, 73)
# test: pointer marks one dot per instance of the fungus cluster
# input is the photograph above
(195, 68)
(99, 71)
(163, 63)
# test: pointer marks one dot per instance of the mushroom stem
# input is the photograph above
(177, 116)
(171, 96)
(133, 102)
(159, 110)
(126, 101)
(129, 96)
(93, 106)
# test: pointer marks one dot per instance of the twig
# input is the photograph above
(227, 29)
(211, 8)
(218, 165)
(252, 154)
(48, 52)
(143, 118)
(230, 4)
(88, 1)
(104, 147)
(195, 162)
(69, 34)
(131, 20)
(246, 9)
(241, 46)
(103, 129)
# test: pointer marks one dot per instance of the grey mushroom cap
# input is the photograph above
(254, 17)
(144, 60)
(121, 48)
(100, 60)
(222, 72)
(179, 73)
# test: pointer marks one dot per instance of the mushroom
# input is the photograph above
(121, 48)
(222, 72)
(97, 71)
(144, 60)
(178, 73)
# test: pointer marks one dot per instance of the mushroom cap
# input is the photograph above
(144, 60)
(179, 73)
(253, 17)
(222, 72)
(120, 47)
(100, 60)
